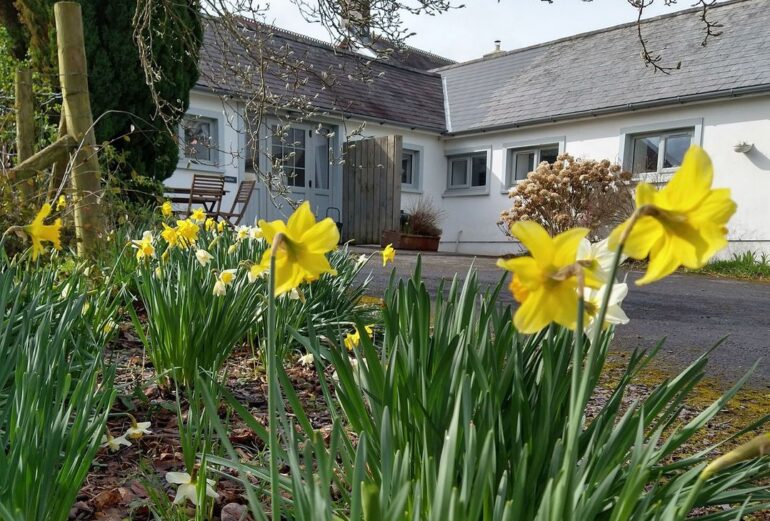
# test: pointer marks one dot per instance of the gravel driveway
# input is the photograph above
(692, 311)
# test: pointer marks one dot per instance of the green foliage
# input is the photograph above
(331, 301)
(188, 327)
(123, 109)
(458, 417)
(746, 265)
(54, 395)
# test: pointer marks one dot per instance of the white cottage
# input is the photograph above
(470, 130)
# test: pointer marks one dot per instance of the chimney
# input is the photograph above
(497, 50)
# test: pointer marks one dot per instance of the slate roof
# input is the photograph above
(602, 72)
(306, 72)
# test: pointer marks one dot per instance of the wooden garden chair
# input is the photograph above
(243, 197)
(206, 190)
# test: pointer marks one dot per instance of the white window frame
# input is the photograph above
(527, 145)
(467, 189)
(628, 135)
(416, 152)
(217, 132)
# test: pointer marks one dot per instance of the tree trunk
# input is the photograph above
(73, 77)
(25, 123)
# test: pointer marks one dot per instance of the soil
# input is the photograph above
(115, 487)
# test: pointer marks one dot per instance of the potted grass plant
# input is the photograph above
(419, 228)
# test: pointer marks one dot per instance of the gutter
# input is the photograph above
(620, 109)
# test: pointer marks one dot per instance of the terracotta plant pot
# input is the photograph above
(419, 242)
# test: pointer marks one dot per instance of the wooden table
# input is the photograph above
(210, 199)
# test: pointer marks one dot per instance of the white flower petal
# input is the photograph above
(178, 478)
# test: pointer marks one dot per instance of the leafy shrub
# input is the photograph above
(570, 193)
(424, 218)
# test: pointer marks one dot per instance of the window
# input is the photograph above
(199, 137)
(522, 161)
(322, 160)
(467, 171)
(660, 151)
(288, 154)
(410, 169)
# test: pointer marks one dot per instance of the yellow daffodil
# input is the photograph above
(144, 247)
(187, 232)
(593, 299)
(754, 448)
(255, 232)
(683, 224)
(61, 203)
(227, 276)
(171, 235)
(210, 224)
(545, 283)
(203, 257)
(137, 429)
(167, 209)
(39, 232)
(306, 360)
(187, 487)
(198, 215)
(221, 226)
(220, 289)
(388, 255)
(114, 443)
(256, 272)
(242, 233)
(353, 339)
(301, 254)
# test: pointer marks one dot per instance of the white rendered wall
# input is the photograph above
(725, 124)
(469, 222)
(229, 157)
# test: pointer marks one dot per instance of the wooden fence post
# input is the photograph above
(73, 77)
(25, 122)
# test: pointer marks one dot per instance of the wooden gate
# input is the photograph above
(371, 188)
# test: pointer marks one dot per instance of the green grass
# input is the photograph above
(747, 265)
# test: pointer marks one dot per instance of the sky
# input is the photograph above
(470, 32)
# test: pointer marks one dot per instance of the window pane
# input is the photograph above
(298, 138)
(407, 161)
(645, 154)
(674, 150)
(549, 155)
(322, 166)
(295, 177)
(479, 170)
(299, 158)
(198, 142)
(459, 175)
(525, 163)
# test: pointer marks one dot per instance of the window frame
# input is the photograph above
(467, 189)
(273, 130)
(213, 164)
(512, 153)
(416, 152)
(666, 128)
(663, 139)
(527, 145)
